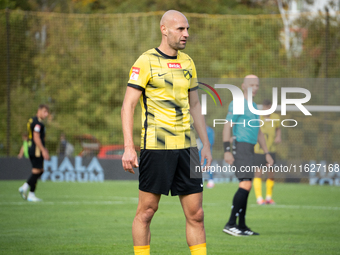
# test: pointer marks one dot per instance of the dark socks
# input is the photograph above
(32, 181)
(239, 207)
(242, 214)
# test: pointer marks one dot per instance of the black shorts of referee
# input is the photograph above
(244, 161)
(161, 171)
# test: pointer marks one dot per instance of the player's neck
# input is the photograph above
(39, 117)
(168, 50)
(246, 96)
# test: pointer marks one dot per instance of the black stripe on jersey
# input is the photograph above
(146, 117)
(179, 113)
(164, 55)
(135, 86)
(167, 131)
(168, 82)
(193, 89)
(170, 103)
(160, 141)
(152, 115)
(152, 86)
(187, 137)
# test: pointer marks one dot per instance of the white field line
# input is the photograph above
(307, 207)
(133, 200)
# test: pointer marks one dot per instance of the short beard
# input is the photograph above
(177, 46)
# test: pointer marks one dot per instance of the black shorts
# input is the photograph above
(164, 170)
(37, 162)
(244, 161)
(260, 159)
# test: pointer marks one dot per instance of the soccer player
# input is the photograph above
(161, 79)
(272, 133)
(37, 152)
(246, 138)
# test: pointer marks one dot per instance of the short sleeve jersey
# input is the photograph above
(34, 124)
(245, 126)
(269, 130)
(165, 82)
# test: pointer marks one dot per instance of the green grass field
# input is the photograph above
(96, 218)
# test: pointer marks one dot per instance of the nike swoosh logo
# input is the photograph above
(162, 74)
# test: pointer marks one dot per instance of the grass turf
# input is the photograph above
(96, 218)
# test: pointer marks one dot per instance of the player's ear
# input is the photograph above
(164, 30)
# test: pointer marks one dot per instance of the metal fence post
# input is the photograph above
(8, 84)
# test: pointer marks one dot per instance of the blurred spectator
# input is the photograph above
(65, 149)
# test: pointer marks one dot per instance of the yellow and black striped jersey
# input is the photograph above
(269, 130)
(165, 82)
(35, 124)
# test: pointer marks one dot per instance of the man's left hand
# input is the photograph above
(269, 160)
(206, 154)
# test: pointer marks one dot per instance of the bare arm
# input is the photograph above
(226, 136)
(199, 124)
(262, 141)
(278, 135)
(131, 98)
(21, 152)
(37, 141)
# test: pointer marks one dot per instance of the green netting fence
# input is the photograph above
(79, 65)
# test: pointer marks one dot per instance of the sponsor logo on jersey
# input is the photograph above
(135, 73)
(175, 65)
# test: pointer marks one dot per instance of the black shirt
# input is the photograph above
(35, 124)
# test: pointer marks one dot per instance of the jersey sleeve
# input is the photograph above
(193, 83)
(140, 73)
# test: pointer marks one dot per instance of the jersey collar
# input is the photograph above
(164, 55)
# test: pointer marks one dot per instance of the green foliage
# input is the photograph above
(132, 6)
(79, 64)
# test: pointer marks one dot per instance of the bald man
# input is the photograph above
(162, 80)
(245, 137)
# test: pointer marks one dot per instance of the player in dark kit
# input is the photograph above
(37, 152)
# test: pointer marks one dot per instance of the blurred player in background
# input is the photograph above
(246, 137)
(37, 152)
(211, 137)
(272, 134)
(161, 79)
(24, 148)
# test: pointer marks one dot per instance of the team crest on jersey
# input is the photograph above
(187, 74)
(175, 65)
(135, 73)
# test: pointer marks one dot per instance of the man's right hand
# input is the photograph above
(45, 154)
(229, 158)
(129, 160)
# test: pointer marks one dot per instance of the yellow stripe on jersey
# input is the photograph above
(165, 82)
(269, 130)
